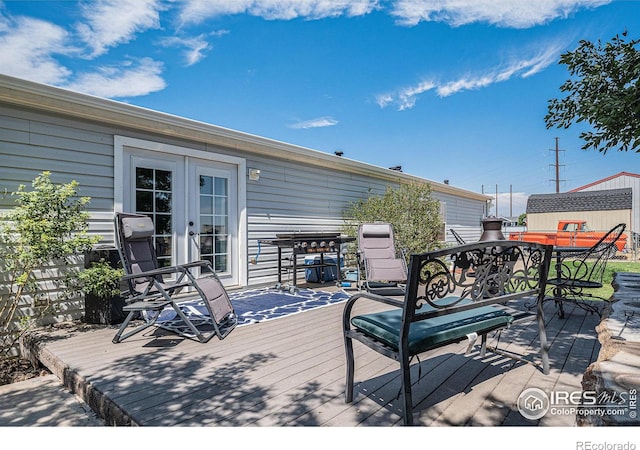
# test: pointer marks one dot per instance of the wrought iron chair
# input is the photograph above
(385, 269)
(579, 272)
(157, 294)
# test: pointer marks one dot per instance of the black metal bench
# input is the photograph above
(454, 294)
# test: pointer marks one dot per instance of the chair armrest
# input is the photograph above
(151, 273)
(346, 317)
(199, 263)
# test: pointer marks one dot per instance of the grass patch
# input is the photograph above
(612, 267)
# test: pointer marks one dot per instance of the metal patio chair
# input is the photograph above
(580, 271)
(384, 268)
(157, 295)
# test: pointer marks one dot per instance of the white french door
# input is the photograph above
(195, 203)
(212, 216)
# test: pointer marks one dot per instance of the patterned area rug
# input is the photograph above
(256, 305)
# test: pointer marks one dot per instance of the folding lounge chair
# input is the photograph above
(156, 299)
(385, 271)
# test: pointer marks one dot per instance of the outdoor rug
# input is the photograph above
(255, 305)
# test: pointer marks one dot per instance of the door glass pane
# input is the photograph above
(205, 186)
(206, 204)
(153, 198)
(144, 178)
(163, 201)
(221, 186)
(144, 201)
(214, 221)
(163, 180)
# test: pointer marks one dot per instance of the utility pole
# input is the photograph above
(510, 201)
(557, 167)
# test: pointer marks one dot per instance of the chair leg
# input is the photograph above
(560, 305)
(119, 337)
(348, 390)
(407, 400)
(483, 347)
(544, 344)
(197, 333)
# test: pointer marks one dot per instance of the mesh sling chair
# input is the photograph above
(157, 300)
(579, 271)
(385, 271)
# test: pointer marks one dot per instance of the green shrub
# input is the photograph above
(48, 225)
(100, 280)
(410, 209)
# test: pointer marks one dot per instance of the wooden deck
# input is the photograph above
(290, 372)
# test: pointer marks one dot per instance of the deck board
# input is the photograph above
(290, 372)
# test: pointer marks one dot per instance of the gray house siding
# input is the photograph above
(73, 137)
(290, 197)
(462, 215)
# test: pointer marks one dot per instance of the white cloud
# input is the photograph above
(383, 100)
(129, 79)
(504, 13)
(28, 46)
(320, 122)
(196, 11)
(113, 22)
(514, 203)
(194, 48)
(406, 98)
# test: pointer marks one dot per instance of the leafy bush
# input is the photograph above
(410, 209)
(48, 225)
(100, 280)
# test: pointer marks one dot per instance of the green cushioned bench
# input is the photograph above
(434, 332)
(454, 294)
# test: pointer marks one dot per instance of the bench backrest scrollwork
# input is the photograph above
(473, 275)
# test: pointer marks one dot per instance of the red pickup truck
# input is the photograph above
(570, 233)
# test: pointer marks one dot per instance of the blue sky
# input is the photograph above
(448, 89)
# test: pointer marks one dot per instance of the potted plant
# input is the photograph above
(101, 285)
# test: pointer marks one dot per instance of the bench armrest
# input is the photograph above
(346, 317)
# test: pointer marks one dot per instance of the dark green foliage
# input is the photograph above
(603, 91)
(99, 280)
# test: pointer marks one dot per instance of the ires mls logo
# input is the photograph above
(533, 403)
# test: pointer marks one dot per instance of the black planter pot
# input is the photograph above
(104, 311)
(100, 310)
